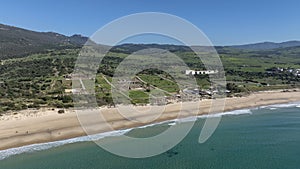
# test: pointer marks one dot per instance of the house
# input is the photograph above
(200, 72)
(133, 84)
(74, 91)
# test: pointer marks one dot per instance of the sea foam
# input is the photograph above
(275, 106)
(229, 113)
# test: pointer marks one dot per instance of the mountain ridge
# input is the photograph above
(267, 45)
(17, 42)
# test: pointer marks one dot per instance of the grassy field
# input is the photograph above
(159, 82)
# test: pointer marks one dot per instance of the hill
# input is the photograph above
(18, 42)
(267, 45)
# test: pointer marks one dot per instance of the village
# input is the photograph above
(280, 70)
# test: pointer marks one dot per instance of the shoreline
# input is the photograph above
(29, 127)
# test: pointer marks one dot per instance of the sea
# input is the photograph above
(266, 137)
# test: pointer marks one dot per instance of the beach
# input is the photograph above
(45, 125)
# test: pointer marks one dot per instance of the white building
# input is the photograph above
(200, 72)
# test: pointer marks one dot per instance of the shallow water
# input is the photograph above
(269, 138)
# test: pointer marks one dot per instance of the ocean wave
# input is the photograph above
(153, 124)
(275, 106)
(229, 113)
(172, 124)
(44, 146)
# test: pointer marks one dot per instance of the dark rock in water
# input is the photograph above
(171, 153)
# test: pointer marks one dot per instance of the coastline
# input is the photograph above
(28, 127)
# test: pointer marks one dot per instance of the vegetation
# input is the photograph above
(41, 79)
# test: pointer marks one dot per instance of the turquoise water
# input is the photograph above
(269, 138)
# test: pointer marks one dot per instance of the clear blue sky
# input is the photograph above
(223, 21)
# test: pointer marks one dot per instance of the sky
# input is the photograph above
(225, 22)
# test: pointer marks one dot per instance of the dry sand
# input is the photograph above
(44, 125)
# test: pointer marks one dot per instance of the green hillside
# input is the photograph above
(35, 69)
(38, 79)
(17, 42)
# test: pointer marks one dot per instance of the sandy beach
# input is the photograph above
(44, 125)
